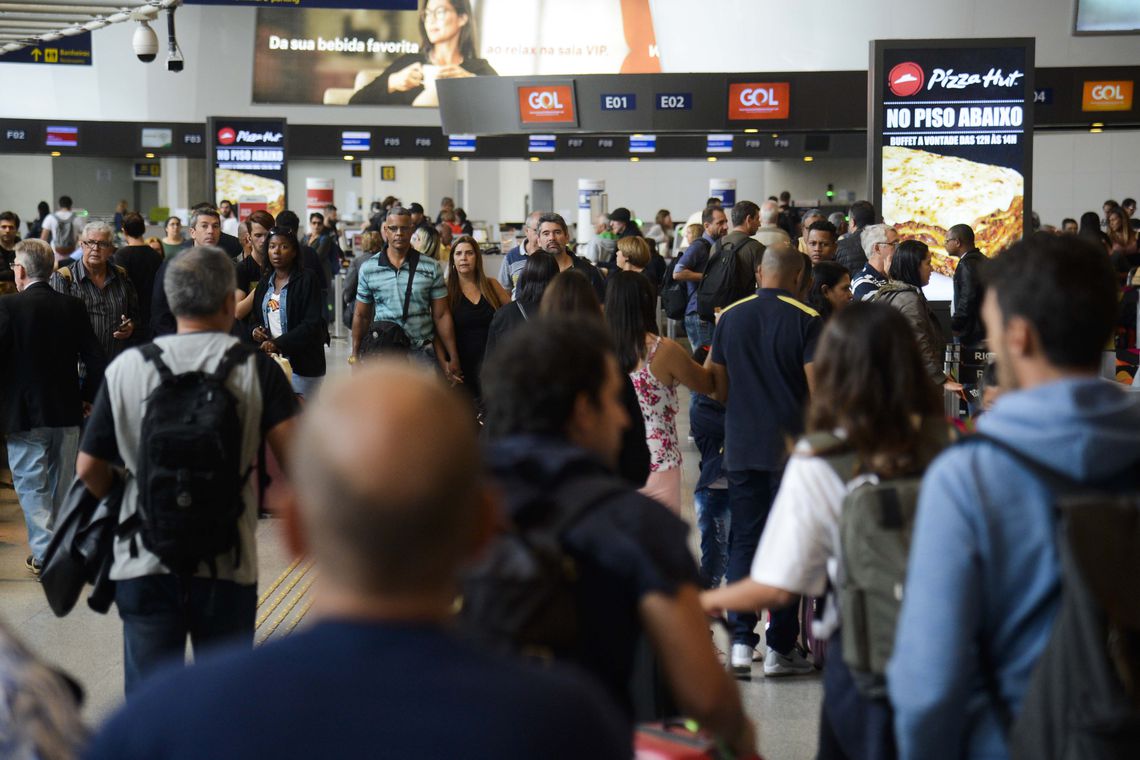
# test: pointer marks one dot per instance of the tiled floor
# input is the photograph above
(89, 646)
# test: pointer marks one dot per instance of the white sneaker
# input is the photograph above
(791, 664)
(742, 659)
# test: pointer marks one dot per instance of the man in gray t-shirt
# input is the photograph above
(161, 609)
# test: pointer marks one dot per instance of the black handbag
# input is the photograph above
(388, 337)
(80, 551)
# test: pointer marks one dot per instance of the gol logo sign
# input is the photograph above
(758, 100)
(1107, 96)
(546, 104)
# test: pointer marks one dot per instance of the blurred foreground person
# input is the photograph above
(379, 674)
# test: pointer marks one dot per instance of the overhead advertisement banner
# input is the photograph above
(951, 139)
(393, 58)
(247, 159)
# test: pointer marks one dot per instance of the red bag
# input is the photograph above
(675, 740)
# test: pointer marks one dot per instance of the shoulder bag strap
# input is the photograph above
(413, 262)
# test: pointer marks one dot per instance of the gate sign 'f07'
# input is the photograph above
(758, 100)
(547, 104)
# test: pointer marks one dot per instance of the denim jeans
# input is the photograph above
(698, 331)
(42, 461)
(160, 611)
(713, 522)
(750, 497)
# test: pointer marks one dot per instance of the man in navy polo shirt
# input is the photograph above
(761, 359)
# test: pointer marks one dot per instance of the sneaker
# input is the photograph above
(791, 664)
(741, 659)
(33, 565)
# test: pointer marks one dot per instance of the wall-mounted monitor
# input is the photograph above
(61, 137)
(461, 143)
(643, 143)
(355, 142)
(541, 143)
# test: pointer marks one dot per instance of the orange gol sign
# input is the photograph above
(546, 104)
(758, 100)
(1107, 96)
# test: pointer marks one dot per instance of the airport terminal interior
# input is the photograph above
(569, 378)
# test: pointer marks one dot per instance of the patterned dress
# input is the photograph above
(658, 403)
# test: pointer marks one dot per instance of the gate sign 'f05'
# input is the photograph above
(758, 100)
(547, 104)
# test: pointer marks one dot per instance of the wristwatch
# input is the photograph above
(352, 360)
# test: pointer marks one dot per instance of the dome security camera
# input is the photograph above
(145, 43)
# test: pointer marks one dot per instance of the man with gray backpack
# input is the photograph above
(62, 229)
(1019, 634)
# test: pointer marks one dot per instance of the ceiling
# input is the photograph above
(23, 24)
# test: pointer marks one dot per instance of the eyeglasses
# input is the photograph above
(97, 244)
(439, 14)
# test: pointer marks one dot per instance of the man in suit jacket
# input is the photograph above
(43, 334)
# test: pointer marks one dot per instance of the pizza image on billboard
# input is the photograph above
(924, 194)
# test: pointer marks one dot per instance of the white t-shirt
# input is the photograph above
(799, 549)
(275, 314)
(51, 223)
(230, 226)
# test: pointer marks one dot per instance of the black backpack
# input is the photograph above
(519, 598)
(190, 477)
(1083, 699)
(675, 293)
(723, 283)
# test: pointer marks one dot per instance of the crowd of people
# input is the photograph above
(498, 479)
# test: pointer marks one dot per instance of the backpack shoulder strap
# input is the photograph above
(413, 265)
(1055, 479)
(836, 452)
(574, 497)
(65, 272)
(153, 354)
(235, 355)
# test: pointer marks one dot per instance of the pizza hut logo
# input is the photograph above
(906, 79)
(226, 136)
(758, 100)
(546, 104)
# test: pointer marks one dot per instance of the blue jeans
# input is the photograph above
(750, 497)
(160, 611)
(713, 522)
(698, 331)
(43, 465)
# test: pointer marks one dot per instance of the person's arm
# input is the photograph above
(361, 321)
(280, 440)
(445, 331)
(243, 303)
(99, 447)
(965, 298)
(503, 293)
(809, 374)
(679, 633)
(505, 272)
(720, 380)
(915, 311)
(679, 366)
(95, 473)
(683, 268)
(90, 352)
(746, 595)
(934, 665)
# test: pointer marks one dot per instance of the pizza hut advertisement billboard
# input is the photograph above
(247, 161)
(951, 139)
(547, 104)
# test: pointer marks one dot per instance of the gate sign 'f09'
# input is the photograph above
(547, 104)
(758, 100)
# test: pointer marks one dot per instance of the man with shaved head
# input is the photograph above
(761, 360)
(389, 503)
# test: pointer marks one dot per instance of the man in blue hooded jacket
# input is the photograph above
(983, 585)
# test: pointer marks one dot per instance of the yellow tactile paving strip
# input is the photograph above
(278, 618)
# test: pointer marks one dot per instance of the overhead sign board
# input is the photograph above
(951, 139)
(1107, 96)
(758, 100)
(66, 51)
(247, 160)
(367, 5)
(547, 104)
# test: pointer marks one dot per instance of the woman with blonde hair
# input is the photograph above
(474, 298)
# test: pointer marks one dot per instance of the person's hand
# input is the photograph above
(269, 347)
(407, 78)
(126, 329)
(453, 71)
(259, 334)
(86, 410)
(711, 605)
(453, 372)
(953, 387)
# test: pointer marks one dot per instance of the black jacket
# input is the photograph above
(850, 253)
(303, 342)
(967, 320)
(42, 335)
